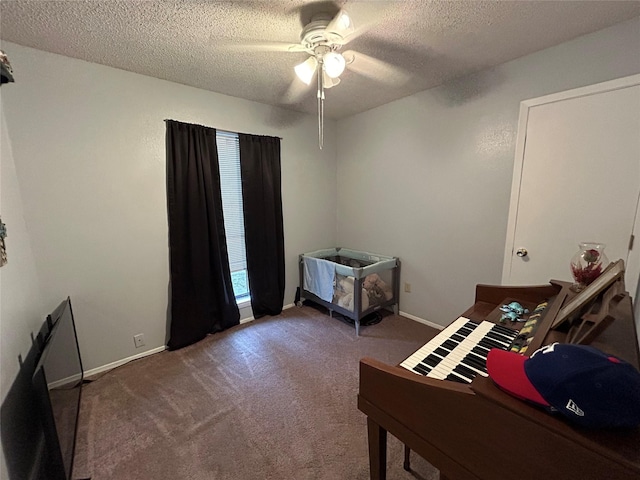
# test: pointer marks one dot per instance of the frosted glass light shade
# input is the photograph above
(306, 69)
(334, 64)
(329, 82)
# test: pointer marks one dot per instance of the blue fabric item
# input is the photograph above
(590, 387)
(319, 276)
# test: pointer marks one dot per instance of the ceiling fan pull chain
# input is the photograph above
(320, 105)
(322, 120)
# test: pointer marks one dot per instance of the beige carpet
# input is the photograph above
(272, 399)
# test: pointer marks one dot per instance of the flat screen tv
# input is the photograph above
(57, 381)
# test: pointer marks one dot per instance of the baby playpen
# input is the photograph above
(350, 282)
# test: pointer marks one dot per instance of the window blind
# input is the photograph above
(231, 188)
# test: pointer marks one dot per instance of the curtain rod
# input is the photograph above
(221, 129)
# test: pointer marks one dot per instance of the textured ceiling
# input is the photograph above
(196, 42)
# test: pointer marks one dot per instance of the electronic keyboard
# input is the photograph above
(459, 352)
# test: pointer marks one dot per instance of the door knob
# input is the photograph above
(521, 252)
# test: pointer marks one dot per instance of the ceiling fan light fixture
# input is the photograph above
(333, 64)
(328, 82)
(306, 69)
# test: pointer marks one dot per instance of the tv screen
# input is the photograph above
(58, 383)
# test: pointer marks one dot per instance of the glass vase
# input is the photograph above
(587, 264)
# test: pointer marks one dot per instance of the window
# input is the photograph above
(231, 188)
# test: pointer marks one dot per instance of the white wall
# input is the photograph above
(21, 302)
(428, 178)
(89, 151)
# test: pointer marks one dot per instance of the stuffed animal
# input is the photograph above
(371, 280)
(344, 287)
(348, 301)
(377, 289)
(346, 284)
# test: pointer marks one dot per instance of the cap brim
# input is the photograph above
(507, 370)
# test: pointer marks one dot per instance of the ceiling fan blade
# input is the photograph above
(375, 69)
(368, 16)
(256, 46)
(342, 24)
(296, 92)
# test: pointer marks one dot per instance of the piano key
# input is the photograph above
(478, 358)
(481, 351)
(455, 378)
(451, 361)
(507, 336)
(449, 344)
(471, 359)
(481, 369)
(487, 342)
(506, 330)
(441, 351)
(506, 340)
(498, 338)
(456, 337)
(432, 360)
(477, 369)
(463, 370)
(421, 369)
(460, 349)
(435, 342)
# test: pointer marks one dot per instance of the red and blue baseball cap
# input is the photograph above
(591, 388)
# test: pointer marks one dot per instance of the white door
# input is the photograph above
(576, 179)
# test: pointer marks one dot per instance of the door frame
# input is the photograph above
(632, 263)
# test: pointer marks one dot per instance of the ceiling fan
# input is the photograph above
(322, 39)
(326, 29)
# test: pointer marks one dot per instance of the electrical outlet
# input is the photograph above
(138, 340)
(407, 287)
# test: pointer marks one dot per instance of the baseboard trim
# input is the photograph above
(118, 363)
(112, 365)
(421, 320)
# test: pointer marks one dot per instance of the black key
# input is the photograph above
(502, 337)
(465, 372)
(505, 330)
(456, 338)
(432, 360)
(468, 367)
(455, 378)
(472, 367)
(443, 352)
(449, 345)
(497, 337)
(502, 334)
(487, 342)
(464, 331)
(422, 369)
(479, 358)
(480, 351)
(474, 362)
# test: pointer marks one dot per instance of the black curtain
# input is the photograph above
(264, 234)
(202, 299)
